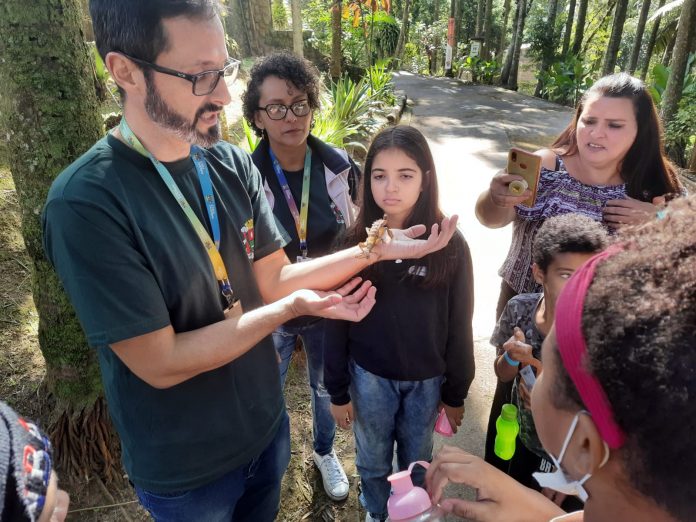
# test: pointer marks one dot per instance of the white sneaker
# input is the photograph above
(332, 474)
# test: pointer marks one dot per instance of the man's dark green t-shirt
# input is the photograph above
(131, 264)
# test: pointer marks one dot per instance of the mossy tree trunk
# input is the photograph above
(615, 38)
(50, 117)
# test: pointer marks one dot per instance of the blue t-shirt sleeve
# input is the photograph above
(115, 295)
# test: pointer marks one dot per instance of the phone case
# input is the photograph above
(528, 166)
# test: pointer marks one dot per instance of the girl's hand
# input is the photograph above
(403, 244)
(625, 212)
(454, 415)
(337, 304)
(517, 349)
(499, 497)
(343, 415)
(500, 193)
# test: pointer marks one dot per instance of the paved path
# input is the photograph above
(470, 129)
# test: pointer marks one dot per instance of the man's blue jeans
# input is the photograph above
(388, 411)
(284, 338)
(250, 493)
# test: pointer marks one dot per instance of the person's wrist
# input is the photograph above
(510, 360)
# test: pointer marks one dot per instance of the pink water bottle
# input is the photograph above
(409, 503)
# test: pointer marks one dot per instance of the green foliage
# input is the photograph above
(386, 34)
(481, 70)
(280, 15)
(567, 79)
(658, 82)
(381, 83)
(251, 140)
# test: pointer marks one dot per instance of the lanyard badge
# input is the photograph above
(211, 245)
(300, 216)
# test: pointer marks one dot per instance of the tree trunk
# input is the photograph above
(503, 30)
(580, 27)
(403, 33)
(487, 33)
(680, 55)
(651, 43)
(336, 35)
(667, 55)
(505, 73)
(436, 51)
(568, 28)
(297, 43)
(640, 29)
(549, 52)
(515, 65)
(479, 17)
(48, 81)
(615, 39)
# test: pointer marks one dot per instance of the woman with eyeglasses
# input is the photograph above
(311, 187)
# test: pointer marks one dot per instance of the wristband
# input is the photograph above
(509, 360)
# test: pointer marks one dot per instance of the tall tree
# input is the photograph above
(297, 40)
(48, 81)
(580, 26)
(568, 28)
(505, 73)
(336, 34)
(480, 13)
(436, 43)
(487, 32)
(667, 55)
(503, 30)
(615, 38)
(651, 43)
(550, 46)
(403, 32)
(637, 43)
(680, 56)
(515, 65)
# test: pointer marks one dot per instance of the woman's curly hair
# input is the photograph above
(639, 323)
(301, 73)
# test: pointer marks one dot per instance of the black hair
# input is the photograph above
(645, 169)
(301, 73)
(567, 233)
(439, 265)
(134, 27)
(639, 324)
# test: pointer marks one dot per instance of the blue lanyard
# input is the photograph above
(207, 189)
(300, 216)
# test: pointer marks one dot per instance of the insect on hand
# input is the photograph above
(375, 235)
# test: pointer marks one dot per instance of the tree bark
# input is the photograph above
(505, 73)
(336, 35)
(580, 27)
(487, 22)
(503, 30)
(48, 82)
(550, 51)
(667, 55)
(651, 43)
(436, 51)
(514, 67)
(680, 55)
(568, 28)
(615, 39)
(480, 13)
(640, 29)
(403, 32)
(297, 42)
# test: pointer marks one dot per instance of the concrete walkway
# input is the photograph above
(470, 130)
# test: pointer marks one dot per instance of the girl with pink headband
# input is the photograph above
(616, 403)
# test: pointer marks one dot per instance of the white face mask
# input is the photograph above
(558, 480)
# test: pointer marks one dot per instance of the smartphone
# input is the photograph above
(528, 376)
(528, 166)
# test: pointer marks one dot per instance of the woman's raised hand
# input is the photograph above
(500, 193)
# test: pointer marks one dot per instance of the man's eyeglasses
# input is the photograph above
(277, 111)
(204, 82)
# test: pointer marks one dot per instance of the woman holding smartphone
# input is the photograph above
(608, 164)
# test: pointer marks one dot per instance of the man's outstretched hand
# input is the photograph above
(351, 302)
(404, 245)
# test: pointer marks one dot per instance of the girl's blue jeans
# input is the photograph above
(387, 412)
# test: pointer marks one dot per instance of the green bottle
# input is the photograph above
(507, 429)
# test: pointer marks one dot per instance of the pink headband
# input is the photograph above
(573, 350)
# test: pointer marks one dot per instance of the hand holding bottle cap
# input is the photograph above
(517, 187)
(442, 425)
